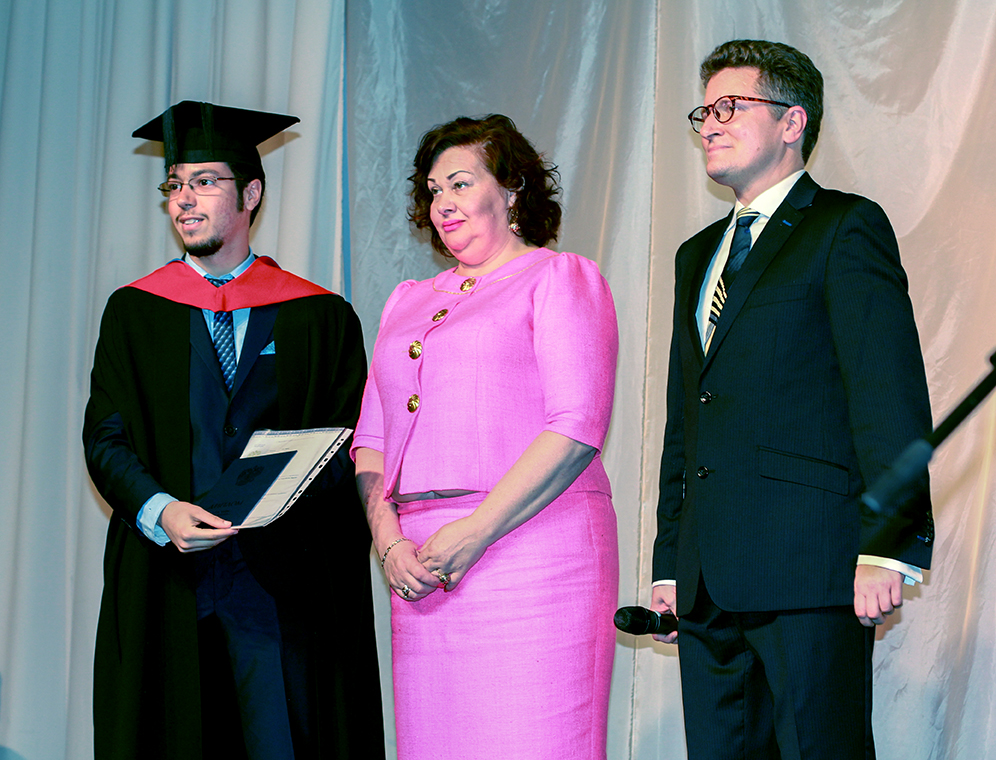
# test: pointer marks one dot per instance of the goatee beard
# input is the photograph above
(207, 248)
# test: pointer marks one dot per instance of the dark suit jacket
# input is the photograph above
(814, 382)
(159, 419)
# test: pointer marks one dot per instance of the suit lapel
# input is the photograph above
(776, 232)
(690, 285)
(200, 341)
(259, 332)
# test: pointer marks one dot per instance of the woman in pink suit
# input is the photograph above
(477, 455)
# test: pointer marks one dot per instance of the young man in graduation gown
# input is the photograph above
(795, 379)
(213, 641)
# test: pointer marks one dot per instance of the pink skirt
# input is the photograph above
(516, 661)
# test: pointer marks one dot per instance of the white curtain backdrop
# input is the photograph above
(602, 87)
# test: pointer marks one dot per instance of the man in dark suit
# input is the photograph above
(215, 642)
(795, 379)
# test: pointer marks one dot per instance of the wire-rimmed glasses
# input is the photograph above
(206, 184)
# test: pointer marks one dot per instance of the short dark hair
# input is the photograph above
(512, 161)
(245, 173)
(785, 74)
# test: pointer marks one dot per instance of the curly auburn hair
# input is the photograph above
(784, 73)
(512, 161)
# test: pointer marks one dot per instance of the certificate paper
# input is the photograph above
(242, 486)
(309, 451)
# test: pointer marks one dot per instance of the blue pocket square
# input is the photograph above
(270, 348)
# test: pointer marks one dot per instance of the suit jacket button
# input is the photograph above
(413, 402)
(415, 349)
(231, 430)
(705, 397)
(439, 315)
(702, 472)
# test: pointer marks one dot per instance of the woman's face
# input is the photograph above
(469, 208)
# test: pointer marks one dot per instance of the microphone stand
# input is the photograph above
(909, 465)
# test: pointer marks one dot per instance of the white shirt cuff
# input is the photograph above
(913, 574)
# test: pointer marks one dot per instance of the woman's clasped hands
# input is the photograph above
(440, 563)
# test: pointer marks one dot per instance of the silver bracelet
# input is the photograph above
(393, 544)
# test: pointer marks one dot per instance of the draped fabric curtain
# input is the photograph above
(601, 87)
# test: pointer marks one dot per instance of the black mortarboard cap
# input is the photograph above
(195, 133)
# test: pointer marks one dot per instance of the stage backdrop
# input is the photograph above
(602, 88)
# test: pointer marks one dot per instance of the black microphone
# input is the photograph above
(640, 620)
(907, 467)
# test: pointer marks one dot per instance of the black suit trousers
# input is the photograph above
(792, 685)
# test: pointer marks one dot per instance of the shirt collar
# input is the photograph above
(191, 261)
(768, 202)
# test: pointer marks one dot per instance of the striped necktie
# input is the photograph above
(224, 337)
(739, 249)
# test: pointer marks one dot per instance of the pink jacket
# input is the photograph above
(466, 372)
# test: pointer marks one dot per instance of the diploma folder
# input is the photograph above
(276, 467)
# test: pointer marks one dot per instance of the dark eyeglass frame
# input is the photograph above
(211, 188)
(698, 115)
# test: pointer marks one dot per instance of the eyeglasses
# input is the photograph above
(205, 185)
(723, 109)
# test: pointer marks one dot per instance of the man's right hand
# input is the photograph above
(663, 601)
(182, 520)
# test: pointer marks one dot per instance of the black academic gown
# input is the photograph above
(149, 382)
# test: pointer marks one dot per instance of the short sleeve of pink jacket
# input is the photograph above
(466, 372)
